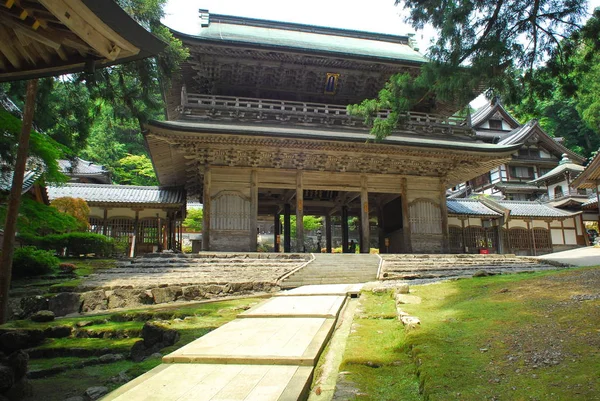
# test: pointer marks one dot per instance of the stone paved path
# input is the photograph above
(267, 354)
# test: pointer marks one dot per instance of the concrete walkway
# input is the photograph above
(267, 354)
(588, 256)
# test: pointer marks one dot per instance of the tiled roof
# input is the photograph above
(104, 193)
(519, 186)
(272, 34)
(81, 167)
(532, 209)
(28, 181)
(592, 201)
(470, 207)
(558, 170)
(487, 111)
(589, 176)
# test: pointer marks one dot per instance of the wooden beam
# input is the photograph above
(299, 213)
(7, 49)
(364, 215)
(253, 209)
(26, 30)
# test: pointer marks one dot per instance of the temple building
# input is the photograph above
(257, 125)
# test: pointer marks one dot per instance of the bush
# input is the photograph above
(75, 243)
(67, 267)
(29, 261)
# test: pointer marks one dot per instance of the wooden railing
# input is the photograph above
(230, 106)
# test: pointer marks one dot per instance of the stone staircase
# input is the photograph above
(335, 269)
(413, 267)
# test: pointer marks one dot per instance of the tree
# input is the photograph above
(480, 43)
(311, 223)
(75, 207)
(193, 220)
(135, 170)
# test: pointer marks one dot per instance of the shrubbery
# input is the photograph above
(29, 261)
(75, 243)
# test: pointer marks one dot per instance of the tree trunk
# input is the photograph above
(10, 226)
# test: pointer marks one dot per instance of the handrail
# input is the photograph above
(195, 100)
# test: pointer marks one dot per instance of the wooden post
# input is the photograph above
(136, 227)
(462, 233)
(299, 213)
(328, 238)
(365, 242)
(10, 226)
(344, 229)
(276, 232)
(380, 229)
(287, 228)
(405, 217)
(444, 212)
(206, 210)
(253, 210)
(105, 222)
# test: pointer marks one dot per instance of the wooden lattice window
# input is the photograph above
(120, 228)
(475, 238)
(147, 231)
(230, 210)
(519, 239)
(96, 225)
(455, 239)
(543, 240)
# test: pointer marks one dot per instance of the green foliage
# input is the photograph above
(75, 243)
(30, 261)
(311, 223)
(76, 207)
(38, 219)
(193, 220)
(135, 170)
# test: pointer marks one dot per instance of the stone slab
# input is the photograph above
(323, 289)
(280, 341)
(214, 382)
(300, 306)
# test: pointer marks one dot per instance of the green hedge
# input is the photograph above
(75, 243)
(29, 261)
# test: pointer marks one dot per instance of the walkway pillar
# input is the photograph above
(287, 229)
(105, 222)
(444, 212)
(406, 231)
(206, 210)
(328, 230)
(276, 232)
(344, 229)
(253, 210)
(136, 224)
(380, 229)
(299, 213)
(365, 239)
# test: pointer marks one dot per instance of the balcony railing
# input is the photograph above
(572, 193)
(230, 107)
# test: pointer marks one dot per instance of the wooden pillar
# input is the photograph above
(287, 228)
(158, 224)
(380, 229)
(405, 217)
(344, 229)
(365, 242)
(533, 247)
(206, 210)
(105, 222)
(253, 210)
(276, 232)
(136, 226)
(462, 233)
(12, 212)
(444, 212)
(299, 213)
(328, 239)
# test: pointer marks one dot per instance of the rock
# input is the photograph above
(156, 355)
(379, 290)
(58, 332)
(31, 305)
(214, 289)
(402, 289)
(481, 273)
(43, 316)
(96, 392)
(410, 321)
(153, 333)
(167, 294)
(241, 287)
(7, 378)
(65, 303)
(84, 323)
(121, 378)
(407, 299)
(76, 398)
(138, 351)
(126, 298)
(93, 301)
(193, 292)
(109, 358)
(20, 390)
(18, 363)
(20, 339)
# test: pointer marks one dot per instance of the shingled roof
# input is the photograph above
(533, 209)
(486, 112)
(590, 176)
(121, 194)
(84, 168)
(29, 180)
(565, 165)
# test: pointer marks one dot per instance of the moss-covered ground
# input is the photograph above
(512, 337)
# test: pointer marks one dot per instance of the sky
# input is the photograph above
(365, 15)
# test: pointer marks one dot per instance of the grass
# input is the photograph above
(191, 321)
(511, 337)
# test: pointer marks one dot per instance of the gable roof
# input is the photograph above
(533, 209)
(470, 207)
(564, 166)
(590, 176)
(29, 180)
(522, 134)
(486, 112)
(226, 29)
(84, 168)
(103, 193)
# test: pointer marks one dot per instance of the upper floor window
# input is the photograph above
(521, 172)
(495, 124)
(529, 152)
(558, 191)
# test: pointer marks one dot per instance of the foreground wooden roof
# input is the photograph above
(52, 37)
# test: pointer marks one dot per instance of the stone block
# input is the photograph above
(193, 292)
(93, 301)
(65, 303)
(402, 289)
(43, 316)
(58, 332)
(166, 294)
(31, 305)
(125, 298)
